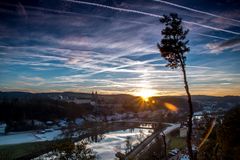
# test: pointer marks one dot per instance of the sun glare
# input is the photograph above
(146, 94)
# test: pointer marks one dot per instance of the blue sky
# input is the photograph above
(109, 46)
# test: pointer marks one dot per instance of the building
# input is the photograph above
(183, 131)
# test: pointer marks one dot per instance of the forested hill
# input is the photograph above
(42, 106)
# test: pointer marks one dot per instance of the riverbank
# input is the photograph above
(15, 151)
(36, 147)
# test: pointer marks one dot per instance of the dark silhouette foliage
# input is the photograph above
(228, 135)
(224, 142)
(173, 45)
(173, 48)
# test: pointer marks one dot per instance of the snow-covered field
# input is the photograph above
(111, 143)
(26, 137)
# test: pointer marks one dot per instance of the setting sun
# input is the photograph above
(146, 93)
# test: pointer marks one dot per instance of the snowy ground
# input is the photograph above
(26, 137)
(116, 142)
(112, 143)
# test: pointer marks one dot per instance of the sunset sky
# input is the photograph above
(109, 46)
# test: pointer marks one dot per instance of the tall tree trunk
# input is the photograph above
(165, 145)
(189, 133)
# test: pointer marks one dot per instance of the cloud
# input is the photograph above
(197, 11)
(33, 79)
(100, 49)
(232, 44)
(21, 10)
(151, 15)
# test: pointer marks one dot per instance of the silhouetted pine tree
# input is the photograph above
(173, 47)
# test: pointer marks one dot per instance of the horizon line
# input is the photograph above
(112, 94)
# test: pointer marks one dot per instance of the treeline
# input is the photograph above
(158, 103)
(40, 108)
(27, 106)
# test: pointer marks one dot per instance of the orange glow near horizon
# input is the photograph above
(145, 99)
(171, 107)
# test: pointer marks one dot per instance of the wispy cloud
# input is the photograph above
(33, 79)
(111, 49)
(232, 44)
(151, 15)
(198, 11)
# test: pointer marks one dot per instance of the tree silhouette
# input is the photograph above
(165, 144)
(128, 145)
(173, 47)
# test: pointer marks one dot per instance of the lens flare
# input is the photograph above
(171, 107)
(213, 123)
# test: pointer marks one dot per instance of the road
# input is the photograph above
(150, 140)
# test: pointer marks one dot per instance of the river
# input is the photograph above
(105, 146)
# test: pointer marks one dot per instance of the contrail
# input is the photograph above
(197, 11)
(148, 14)
(101, 17)
(210, 36)
(72, 13)
(210, 27)
(115, 8)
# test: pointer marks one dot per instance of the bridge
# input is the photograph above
(137, 121)
(143, 124)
